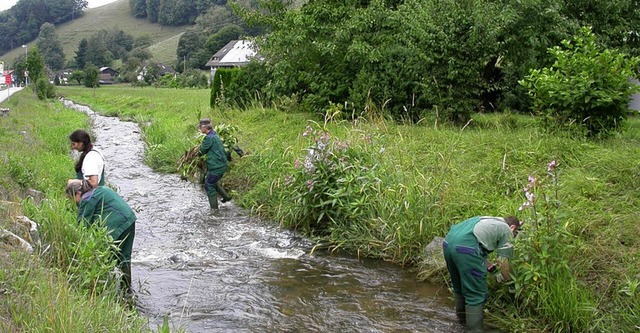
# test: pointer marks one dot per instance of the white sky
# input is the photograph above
(6, 4)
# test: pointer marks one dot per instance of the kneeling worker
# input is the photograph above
(98, 204)
(466, 248)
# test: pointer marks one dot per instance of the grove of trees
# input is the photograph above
(418, 58)
(21, 23)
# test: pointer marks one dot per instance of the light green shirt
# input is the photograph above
(493, 233)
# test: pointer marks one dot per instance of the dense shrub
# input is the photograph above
(587, 86)
(45, 89)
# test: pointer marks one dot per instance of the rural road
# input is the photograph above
(5, 93)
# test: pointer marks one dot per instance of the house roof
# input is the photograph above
(235, 53)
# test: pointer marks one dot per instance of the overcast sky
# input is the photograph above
(6, 4)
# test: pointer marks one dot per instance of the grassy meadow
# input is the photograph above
(114, 15)
(375, 188)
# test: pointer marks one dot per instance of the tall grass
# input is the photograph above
(69, 284)
(405, 184)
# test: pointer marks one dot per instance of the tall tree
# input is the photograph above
(138, 8)
(152, 10)
(49, 45)
(98, 52)
(81, 53)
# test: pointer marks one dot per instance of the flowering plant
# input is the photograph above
(334, 183)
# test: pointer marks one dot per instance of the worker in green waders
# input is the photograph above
(217, 165)
(466, 248)
(103, 205)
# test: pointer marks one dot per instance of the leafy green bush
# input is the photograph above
(45, 89)
(587, 86)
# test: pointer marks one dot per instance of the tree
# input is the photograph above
(91, 76)
(138, 8)
(98, 52)
(81, 53)
(77, 76)
(35, 68)
(50, 47)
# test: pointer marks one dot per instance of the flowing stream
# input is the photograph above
(227, 271)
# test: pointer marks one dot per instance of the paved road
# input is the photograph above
(5, 93)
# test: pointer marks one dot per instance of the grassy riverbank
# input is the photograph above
(68, 286)
(389, 189)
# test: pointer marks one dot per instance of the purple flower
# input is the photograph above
(297, 164)
(551, 166)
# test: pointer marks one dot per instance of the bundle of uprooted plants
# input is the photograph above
(191, 165)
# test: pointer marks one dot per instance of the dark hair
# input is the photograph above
(512, 220)
(83, 137)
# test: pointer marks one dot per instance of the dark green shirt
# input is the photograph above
(103, 204)
(216, 156)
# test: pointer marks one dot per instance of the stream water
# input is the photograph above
(230, 272)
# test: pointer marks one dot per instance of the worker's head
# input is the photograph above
(76, 188)
(204, 122)
(206, 128)
(80, 140)
(514, 224)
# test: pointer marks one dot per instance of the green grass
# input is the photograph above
(114, 15)
(427, 177)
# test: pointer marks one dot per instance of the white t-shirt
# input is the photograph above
(93, 165)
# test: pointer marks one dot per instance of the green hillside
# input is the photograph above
(113, 16)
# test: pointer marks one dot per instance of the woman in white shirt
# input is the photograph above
(90, 166)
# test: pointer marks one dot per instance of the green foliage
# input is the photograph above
(543, 282)
(435, 175)
(49, 45)
(45, 89)
(91, 77)
(21, 23)
(335, 184)
(404, 59)
(587, 86)
(240, 86)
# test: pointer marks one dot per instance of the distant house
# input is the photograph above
(107, 75)
(159, 70)
(236, 53)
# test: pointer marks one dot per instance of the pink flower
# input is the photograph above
(551, 166)
(310, 184)
(297, 164)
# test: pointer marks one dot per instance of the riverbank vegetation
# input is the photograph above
(384, 190)
(67, 284)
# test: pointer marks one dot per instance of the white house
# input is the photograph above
(236, 53)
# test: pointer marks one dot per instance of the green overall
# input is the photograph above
(466, 262)
(103, 205)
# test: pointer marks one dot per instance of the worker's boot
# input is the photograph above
(225, 197)
(475, 318)
(213, 201)
(126, 278)
(460, 308)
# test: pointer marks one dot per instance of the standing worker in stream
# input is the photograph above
(240, 152)
(102, 205)
(90, 165)
(466, 248)
(217, 165)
